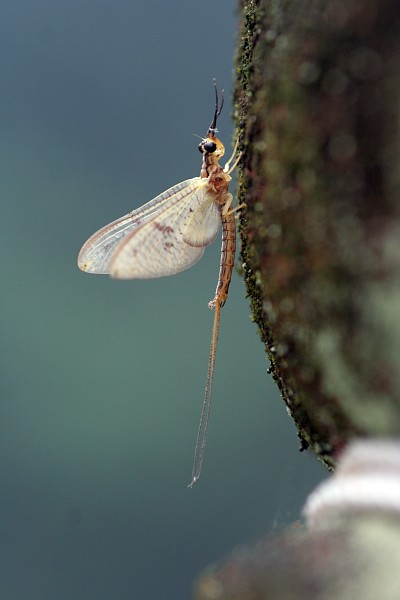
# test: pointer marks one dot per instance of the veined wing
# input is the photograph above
(150, 241)
(96, 253)
(162, 246)
(202, 227)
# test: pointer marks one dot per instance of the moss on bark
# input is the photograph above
(317, 111)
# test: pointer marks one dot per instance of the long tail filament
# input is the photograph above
(206, 409)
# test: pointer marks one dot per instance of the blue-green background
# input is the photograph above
(102, 381)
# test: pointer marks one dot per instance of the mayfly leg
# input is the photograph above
(228, 168)
(206, 409)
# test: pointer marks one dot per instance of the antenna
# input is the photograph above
(213, 127)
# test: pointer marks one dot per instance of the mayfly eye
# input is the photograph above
(201, 146)
(210, 147)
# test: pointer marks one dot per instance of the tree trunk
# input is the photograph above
(317, 109)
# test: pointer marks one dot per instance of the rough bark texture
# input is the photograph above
(317, 108)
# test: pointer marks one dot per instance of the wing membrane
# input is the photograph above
(203, 225)
(152, 241)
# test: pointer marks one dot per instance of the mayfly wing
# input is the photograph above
(156, 239)
(95, 255)
(203, 225)
(163, 245)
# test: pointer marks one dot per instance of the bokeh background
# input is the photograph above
(102, 381)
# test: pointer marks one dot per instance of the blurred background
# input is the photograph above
(101, 380)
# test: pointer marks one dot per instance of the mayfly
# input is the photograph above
(169, 234)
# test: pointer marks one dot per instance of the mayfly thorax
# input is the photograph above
(168, 235)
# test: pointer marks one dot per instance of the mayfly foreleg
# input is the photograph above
(227, 168)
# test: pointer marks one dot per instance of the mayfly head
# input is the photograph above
(211, 145)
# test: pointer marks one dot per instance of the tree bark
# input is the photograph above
(317, 109)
